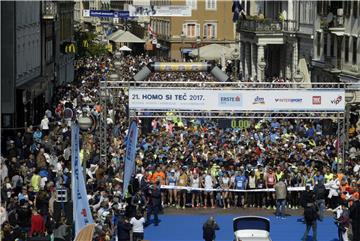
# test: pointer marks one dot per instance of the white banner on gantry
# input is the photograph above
(237, 100)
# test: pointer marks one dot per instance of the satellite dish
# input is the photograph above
(329, 17)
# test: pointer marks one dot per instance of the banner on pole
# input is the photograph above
(130, 155)
(81, 209)
(237, 100)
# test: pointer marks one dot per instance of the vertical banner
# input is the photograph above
(81, 209)
(130, 155)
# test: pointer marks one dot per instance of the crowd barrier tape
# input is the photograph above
(167, 187)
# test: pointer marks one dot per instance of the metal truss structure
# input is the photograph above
(110, 89)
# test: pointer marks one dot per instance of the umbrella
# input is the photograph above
(125, 48)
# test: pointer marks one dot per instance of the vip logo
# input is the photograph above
(337, 100)
(316, 100)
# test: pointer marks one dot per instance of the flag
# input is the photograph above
(236, 8)
(151, 31)
(130, 155)
(81, 210)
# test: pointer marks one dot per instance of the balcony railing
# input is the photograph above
(266, 25)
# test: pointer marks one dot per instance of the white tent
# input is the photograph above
(213, 52)
(122, 36)
(125, 48)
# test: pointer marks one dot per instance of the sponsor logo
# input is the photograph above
(316, 100)
(289, 100)
(230, 99)
(337, 100)
(259, 100)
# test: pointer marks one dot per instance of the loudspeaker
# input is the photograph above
(146, 126)
(63, 209)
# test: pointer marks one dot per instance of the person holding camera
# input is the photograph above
(209, 228)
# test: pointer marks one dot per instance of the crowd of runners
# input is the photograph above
(216, 164)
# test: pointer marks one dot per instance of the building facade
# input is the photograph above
(32, 33)
(21, 58)
(269, 42)
(210, 22)
(337, 42)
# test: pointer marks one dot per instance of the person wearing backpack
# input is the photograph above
(310, 217)
(320, 196)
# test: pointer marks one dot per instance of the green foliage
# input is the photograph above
(93, 49)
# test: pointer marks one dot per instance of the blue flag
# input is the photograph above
(81, 209)
(131, 143)
(236, 9)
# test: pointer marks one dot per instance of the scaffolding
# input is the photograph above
(111, 88)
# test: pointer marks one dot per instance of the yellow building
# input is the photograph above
(210, 22)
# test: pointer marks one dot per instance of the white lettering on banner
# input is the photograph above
(81, 210)
(237, 100)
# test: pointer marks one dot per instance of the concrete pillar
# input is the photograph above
(253, 61)
(290, 15)
(260, 55)
(247, 61)
(288, 61)
(295, 60)
(241, 57)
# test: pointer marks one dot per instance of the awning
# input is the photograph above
(125, 48)
(213, 52)
(185, 51)
(121, 36)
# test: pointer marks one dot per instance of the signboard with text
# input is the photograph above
(160, 11)
(105, 13)
(236, 100)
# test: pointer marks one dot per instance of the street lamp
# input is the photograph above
(262, 66)
(235, 55)
(198, 41)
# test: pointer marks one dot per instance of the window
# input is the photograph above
(191, 30)
(346, 49)
(332, 45)
(347, 8)
(318, 44)
(325, 44)
(210, 30)
(355, 8)
(192, 3)
(210, 5)
(354, 51)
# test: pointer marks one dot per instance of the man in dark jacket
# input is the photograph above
(209, 228)
(123, 229)
(307, 197)
(310, 216)
(320, 196)
(154, 204)
(355, 218)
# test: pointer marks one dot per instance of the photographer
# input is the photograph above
(209, 228)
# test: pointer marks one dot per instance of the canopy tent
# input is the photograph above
(213, 52)
(122, 36)
(125, 48)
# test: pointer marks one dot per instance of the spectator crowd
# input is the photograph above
(171, 151)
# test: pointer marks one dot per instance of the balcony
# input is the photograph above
(255, 24)
(334, 23)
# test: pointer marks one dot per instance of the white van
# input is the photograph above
(251, 228)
